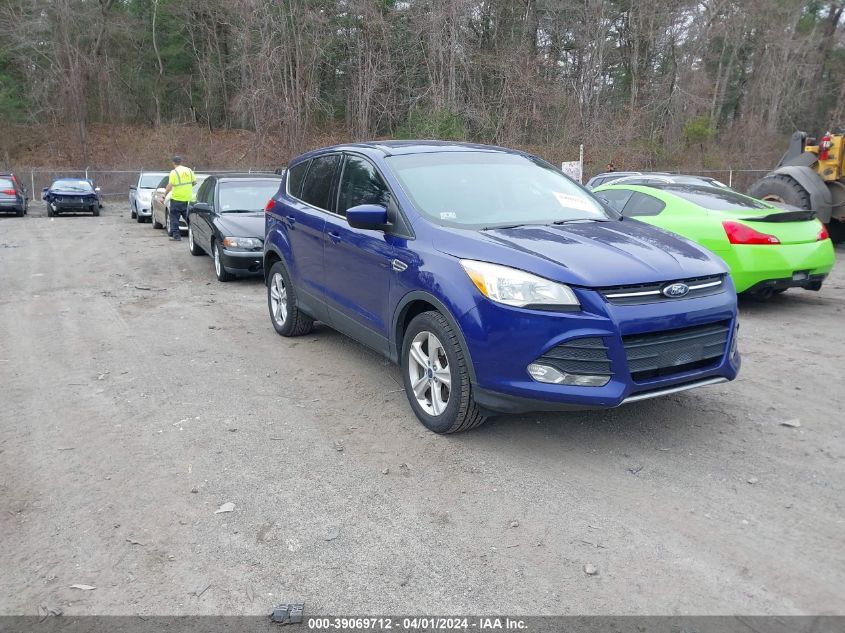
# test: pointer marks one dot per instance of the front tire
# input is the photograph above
(287, 318)
(96, 211)
(220, 271)
(436, 376)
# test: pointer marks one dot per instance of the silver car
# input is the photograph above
(141, 193)
(160, 206)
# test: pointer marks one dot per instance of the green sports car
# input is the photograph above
(768, 249)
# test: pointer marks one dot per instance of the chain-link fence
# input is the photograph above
(738, 179)
(113, 183)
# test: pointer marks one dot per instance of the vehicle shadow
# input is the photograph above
(675, 420)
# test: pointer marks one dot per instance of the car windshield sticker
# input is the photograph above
(569, 201)
(448, 215)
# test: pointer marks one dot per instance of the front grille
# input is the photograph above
(579, 356)
(653, 292)
(672, 352)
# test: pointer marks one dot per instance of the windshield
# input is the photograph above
(76, 185)
(150, 181)
(488, 190)
(246, 195)
(713, 198)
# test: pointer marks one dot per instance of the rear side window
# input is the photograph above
(642, 204)
(296, 175)
(616, 198)
(361, 184)
(318, 181)
(715, 199)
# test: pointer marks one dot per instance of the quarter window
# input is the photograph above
(318, 181)
(361, 184)
(295, 176)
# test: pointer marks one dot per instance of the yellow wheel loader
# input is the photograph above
(810, 176)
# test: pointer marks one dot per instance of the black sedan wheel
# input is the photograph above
(222, 274)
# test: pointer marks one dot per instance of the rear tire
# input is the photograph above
(19, 212)
(836, 230)
(781, 189)
(219, 270)
(432, 354)
(193, 247)
(287, 318)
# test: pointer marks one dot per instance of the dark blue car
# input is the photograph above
(497, 284)
(72, 194)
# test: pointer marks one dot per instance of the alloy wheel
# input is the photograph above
(279, 299)
(431, 377)
(191, 238)
(216, 259)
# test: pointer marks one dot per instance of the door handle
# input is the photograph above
(291, 219)
(334, 237)
(399, 266)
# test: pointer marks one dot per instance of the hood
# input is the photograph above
(241, 224)
(591, 254)
(144, 194)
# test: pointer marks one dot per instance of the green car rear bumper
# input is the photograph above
(779, 266)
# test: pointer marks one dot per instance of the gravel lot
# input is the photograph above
(139, 395)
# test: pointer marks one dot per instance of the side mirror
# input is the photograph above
(132, 187)
(201, 207)
(367, 216)
(44, 193)
(97, 189)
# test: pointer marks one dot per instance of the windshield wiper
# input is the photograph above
(579, 221)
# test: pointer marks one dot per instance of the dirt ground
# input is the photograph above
(138, 395)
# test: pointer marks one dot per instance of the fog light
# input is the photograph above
(544, 373)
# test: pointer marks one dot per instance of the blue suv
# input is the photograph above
(498, 284)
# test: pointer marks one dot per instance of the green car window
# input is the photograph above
(714, 199)
(642, 204)
(616, 198)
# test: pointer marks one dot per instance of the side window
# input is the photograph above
(616, 198)
(163, 182)
(642, 204)
(318, 181)
(296, 175)
(206, 192)
(361, 184)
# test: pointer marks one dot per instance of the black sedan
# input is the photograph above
(227, 221)
(71, 194)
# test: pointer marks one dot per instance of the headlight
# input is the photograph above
(243, 243)
(518, 288)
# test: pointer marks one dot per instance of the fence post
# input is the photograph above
(32, 184)
(731, 178)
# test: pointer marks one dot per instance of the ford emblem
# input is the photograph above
(676, 291)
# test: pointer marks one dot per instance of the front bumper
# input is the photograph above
(755, 264)
(73, 205)
(242, 261)
(503, 341)
(144, 212)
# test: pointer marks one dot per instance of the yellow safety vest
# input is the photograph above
(182, 184)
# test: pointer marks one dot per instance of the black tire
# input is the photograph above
(193, 247)
(95, 210)
(461, 412)
(781, 189)
(132, 214)
(50, 212)
(19, 212)
(221, 273)
(295, 322)
(139, 218)
(836, 230)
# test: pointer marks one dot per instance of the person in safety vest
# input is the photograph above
(180, 186)
(825, 145)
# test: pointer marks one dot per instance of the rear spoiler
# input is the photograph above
(784, 216)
